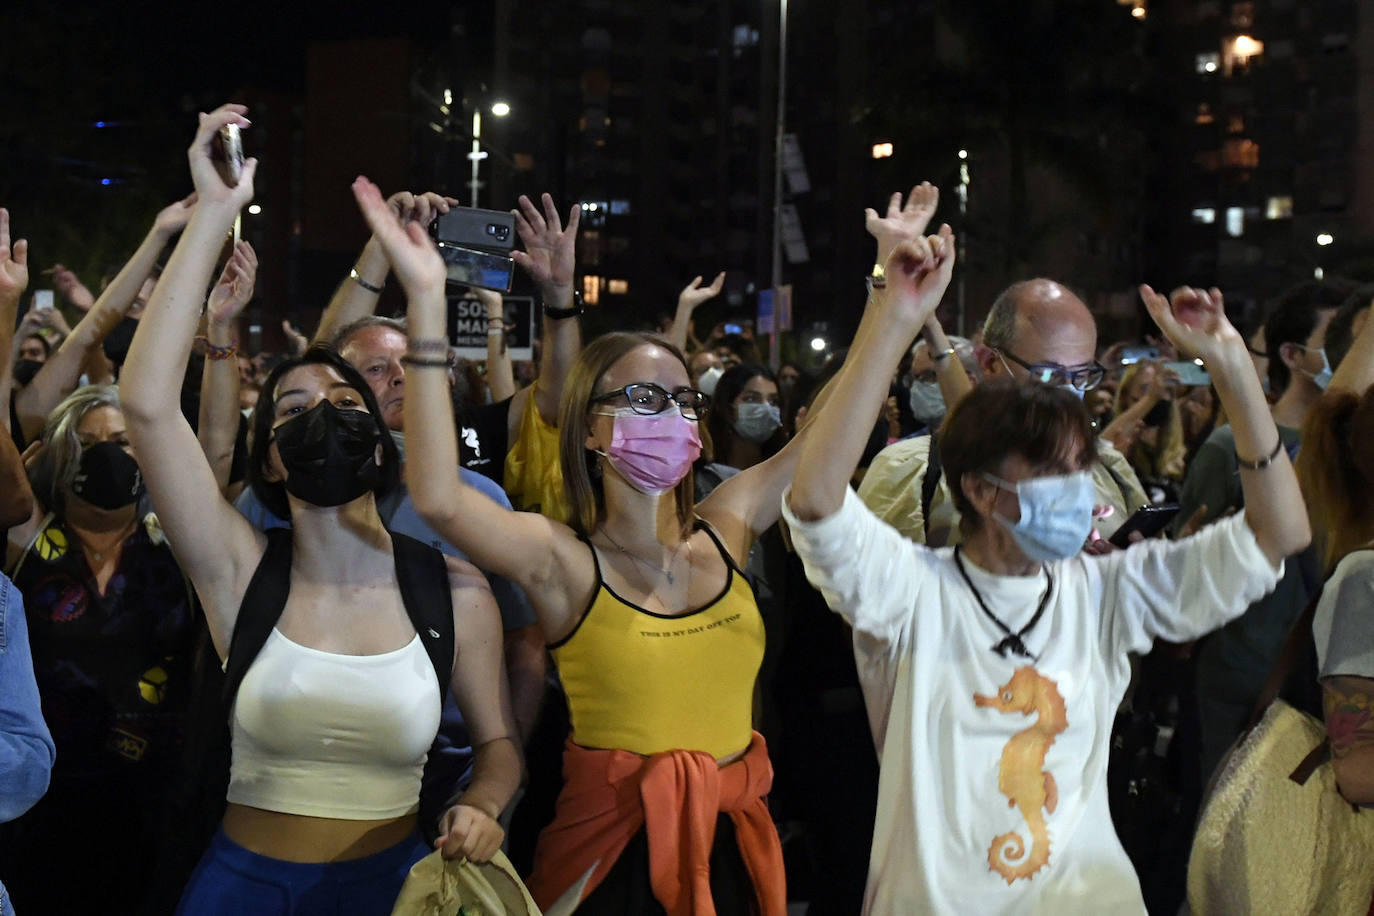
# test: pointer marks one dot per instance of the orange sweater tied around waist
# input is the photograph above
(676, 796)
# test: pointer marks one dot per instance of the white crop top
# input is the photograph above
(326, 735)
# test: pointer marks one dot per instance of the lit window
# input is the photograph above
(1279, 207)
(882, 150)
(1204, 114)
(620, 207)
(745, 36)
(1235, 221)
(591, 290)
(1235, 124)
(1241, 154)
(1242, 15)
(1209, 62)
(1238, 51)
(1206, 215)
(617, 287)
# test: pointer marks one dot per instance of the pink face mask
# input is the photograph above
(653, 451)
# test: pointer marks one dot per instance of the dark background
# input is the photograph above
(1097, 139)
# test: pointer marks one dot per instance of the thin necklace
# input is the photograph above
(668, 572)
(1012, 641)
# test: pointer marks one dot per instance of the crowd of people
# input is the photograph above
(952, 625)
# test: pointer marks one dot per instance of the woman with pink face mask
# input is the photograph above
(641, 599)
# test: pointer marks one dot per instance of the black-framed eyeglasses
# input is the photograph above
(1083, 378)
(648, 398)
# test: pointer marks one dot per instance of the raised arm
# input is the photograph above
(1122, 431)
(60, 373)
(500, 372)
(216, 547)
(356, 297)
(954, 381)
(218, 425)
(14, 279)
(692, 296)
(1195, 322)
(917, 273)
(534, 552)
(69, 286)
(1356, 371)
(550, 258)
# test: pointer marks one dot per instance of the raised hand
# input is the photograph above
(172, 218)
(419, 208)
(469, 833)
(1195, 322)
(918, 271)
(694, 294)
(234, 288)
(297, 341)
(903, 222)
(69, 286)
(408, 247)
(550, 249)
(210, 185)
(14, 264)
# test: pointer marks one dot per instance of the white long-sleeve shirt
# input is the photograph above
(992, 796)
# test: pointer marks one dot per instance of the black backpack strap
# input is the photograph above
(929, 483)
(422, 573)
(261, 609)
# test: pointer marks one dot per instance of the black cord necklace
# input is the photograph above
(1012, 641)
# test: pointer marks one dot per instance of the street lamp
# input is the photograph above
(500, 109)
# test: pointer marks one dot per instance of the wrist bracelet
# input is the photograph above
(421, 362)
(1262, 463)
(493, 331)
(214, 352)
(433, 345)
(571, 311)
(358, 279)
(943, 354)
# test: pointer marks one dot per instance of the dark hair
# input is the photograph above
(718, 421)
(741, 346)
(1294, 318)
(47, 347)
(1340, 332)
(273, 493)
(1005, 417)
(1336, 471)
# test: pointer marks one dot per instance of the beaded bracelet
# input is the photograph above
(214, 352)
(421, 362)
(435, 345)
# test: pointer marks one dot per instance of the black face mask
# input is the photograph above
(116, 345)
(25, 370)
(330, 455)
(107, 477)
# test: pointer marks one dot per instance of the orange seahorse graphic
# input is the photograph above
(1021, 778)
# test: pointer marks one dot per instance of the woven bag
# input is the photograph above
(1267, 843)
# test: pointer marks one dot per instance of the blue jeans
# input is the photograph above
(231, 880)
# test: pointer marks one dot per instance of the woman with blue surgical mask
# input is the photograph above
(744, 424)
(992, 672)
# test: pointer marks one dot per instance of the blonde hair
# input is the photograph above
(1168, 457)
(581, 470)
(1336, 471)
(52, 474)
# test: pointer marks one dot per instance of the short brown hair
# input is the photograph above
(581, 472)
(1005, 417)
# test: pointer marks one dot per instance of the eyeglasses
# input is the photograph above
(1083, 378)
(648, 398)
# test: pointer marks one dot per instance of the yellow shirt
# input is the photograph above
(533, 477)
(648, 683)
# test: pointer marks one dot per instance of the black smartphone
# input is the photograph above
(1148, 520)
(483, 230)
(471, 267)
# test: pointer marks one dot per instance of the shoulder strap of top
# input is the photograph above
(260, 610)
(930, 483)
(422, 573)
(706, 526)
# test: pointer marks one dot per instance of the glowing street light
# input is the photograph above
(500, 109)
(254, 209)
(882, 150)
(818, 344)
(1325, 239)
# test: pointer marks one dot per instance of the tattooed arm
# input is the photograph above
(1349, 711)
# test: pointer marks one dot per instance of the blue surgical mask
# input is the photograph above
(1056, 514)
(757, 422)
(927, 403)
(1322, 378)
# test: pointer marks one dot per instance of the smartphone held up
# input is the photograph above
(476, 245)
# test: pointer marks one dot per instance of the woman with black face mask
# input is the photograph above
(111, 622)
(339, 638)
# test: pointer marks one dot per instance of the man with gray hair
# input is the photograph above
(1038, 332)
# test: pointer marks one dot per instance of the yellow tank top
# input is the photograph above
(647, 683)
